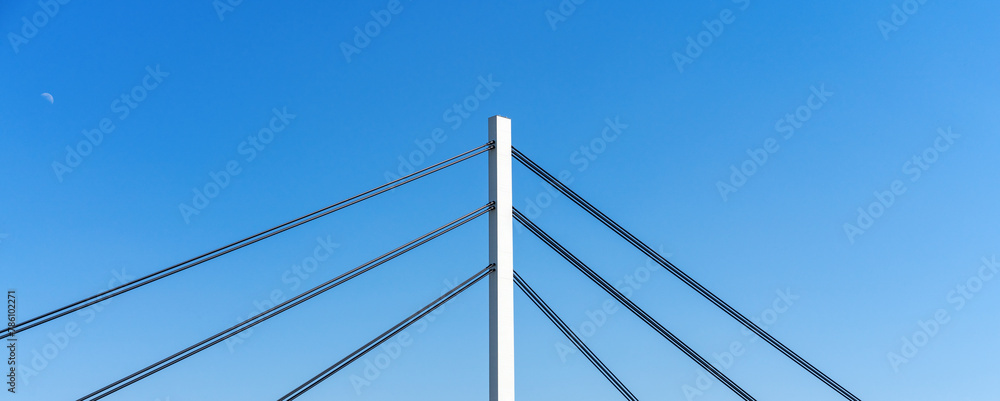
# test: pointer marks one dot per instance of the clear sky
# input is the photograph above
(829, 169)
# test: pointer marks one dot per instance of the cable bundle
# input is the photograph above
(700, 289)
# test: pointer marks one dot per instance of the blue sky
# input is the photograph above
(823, 109)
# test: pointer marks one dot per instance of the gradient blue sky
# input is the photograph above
(65, 236)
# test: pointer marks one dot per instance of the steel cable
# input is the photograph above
(580, 345)
(381, 338)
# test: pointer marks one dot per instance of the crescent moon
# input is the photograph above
(48, 97)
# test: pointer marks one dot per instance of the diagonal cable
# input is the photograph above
(700, 289)
(282, 307)
(381, 338)
(639, 312)
(126, 287)
(580, 345)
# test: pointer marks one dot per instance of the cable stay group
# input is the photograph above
(700, 289)
(489, 271)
